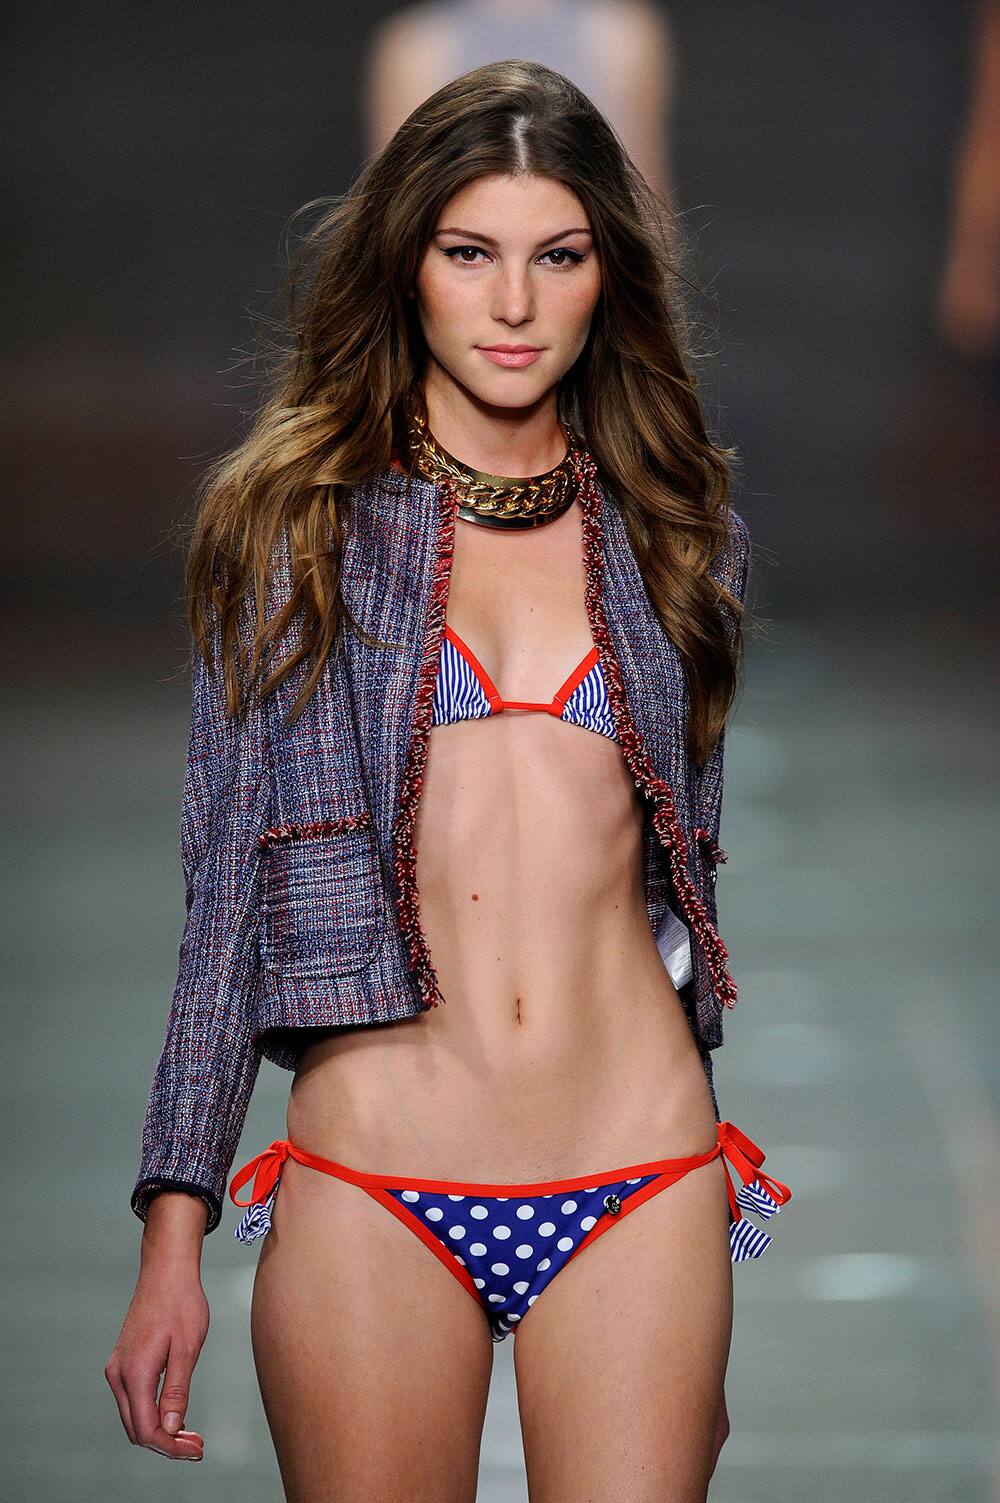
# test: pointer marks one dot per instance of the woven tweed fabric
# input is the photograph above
(297, 840)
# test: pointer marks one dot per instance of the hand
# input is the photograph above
(163, 1333)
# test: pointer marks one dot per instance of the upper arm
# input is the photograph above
(731, 565)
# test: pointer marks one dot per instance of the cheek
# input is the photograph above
(444, 303)
(576, 306)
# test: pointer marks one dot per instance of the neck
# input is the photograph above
(508, 441)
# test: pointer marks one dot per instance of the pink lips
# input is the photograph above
(512, 356)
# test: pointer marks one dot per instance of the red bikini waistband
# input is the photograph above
(744, 1155)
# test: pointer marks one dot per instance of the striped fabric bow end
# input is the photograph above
(256, 1220)
(759, 1193)
(265, 1171)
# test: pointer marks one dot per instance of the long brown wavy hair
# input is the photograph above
(335, 410)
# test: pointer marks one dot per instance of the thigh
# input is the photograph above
(373, 1361)
(620, 1362)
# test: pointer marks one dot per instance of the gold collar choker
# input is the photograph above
(495, 500)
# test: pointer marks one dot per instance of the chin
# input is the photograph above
(515, 401)
(502, 389)
(510, 391)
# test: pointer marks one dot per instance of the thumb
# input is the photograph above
(174, 1393)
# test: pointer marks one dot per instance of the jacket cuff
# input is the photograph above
(146, 1190)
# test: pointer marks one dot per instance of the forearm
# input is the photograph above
(174, 1231)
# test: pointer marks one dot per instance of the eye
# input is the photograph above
(456, 253)
(563, 250)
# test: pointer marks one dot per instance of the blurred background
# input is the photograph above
(835, 170)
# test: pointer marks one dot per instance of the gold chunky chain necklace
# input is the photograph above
(494, 500)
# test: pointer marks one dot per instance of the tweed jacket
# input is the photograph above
(297, 849)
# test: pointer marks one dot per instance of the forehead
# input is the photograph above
(500, 203)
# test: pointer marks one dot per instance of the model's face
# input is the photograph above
(511, 262)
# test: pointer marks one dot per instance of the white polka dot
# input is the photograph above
(503, 1197)
(434, 1214)
(480, 1212)
(499, 1268)
(546, 1229)
(569, 1206)
(532, 1298)
(545, 1263)
(522, 1286)
(479, 1283)
(564, 1244)
(501, 1233)
(456, 1197)
(477, 1248)
(460, 1259)
(590, 1189)
(524, 1251)
(497, 1299)
(513, 1315)
(633, 1181)
(546, 1197)
(588, 1222)
(410, 1195)
(458, 1232)
(526, 1212)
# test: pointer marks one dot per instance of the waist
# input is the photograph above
(581, 1079)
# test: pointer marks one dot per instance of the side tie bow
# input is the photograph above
(264, 1169)
(760, 1191)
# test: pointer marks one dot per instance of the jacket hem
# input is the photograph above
(294, 1003)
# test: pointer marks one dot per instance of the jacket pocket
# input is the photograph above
(322, 897)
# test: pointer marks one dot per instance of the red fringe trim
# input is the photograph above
(281, 834)
(714, 852)
(665, 820)
(405, 856)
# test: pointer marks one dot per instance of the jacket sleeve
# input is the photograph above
(209, 1062)
(732, 568)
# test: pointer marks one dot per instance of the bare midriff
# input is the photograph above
(561, 1047)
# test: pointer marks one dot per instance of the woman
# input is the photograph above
(492, 299)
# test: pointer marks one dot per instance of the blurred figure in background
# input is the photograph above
(937, 452)
(619, 52)
(968, 305)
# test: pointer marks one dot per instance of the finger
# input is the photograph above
(141, 1385)
(117, 1387)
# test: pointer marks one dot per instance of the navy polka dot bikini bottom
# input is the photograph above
(504, 1243)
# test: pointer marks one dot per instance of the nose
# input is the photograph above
(513, 296)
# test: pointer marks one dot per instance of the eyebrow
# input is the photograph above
(451, 229)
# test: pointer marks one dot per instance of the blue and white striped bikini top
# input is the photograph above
(465, 691)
